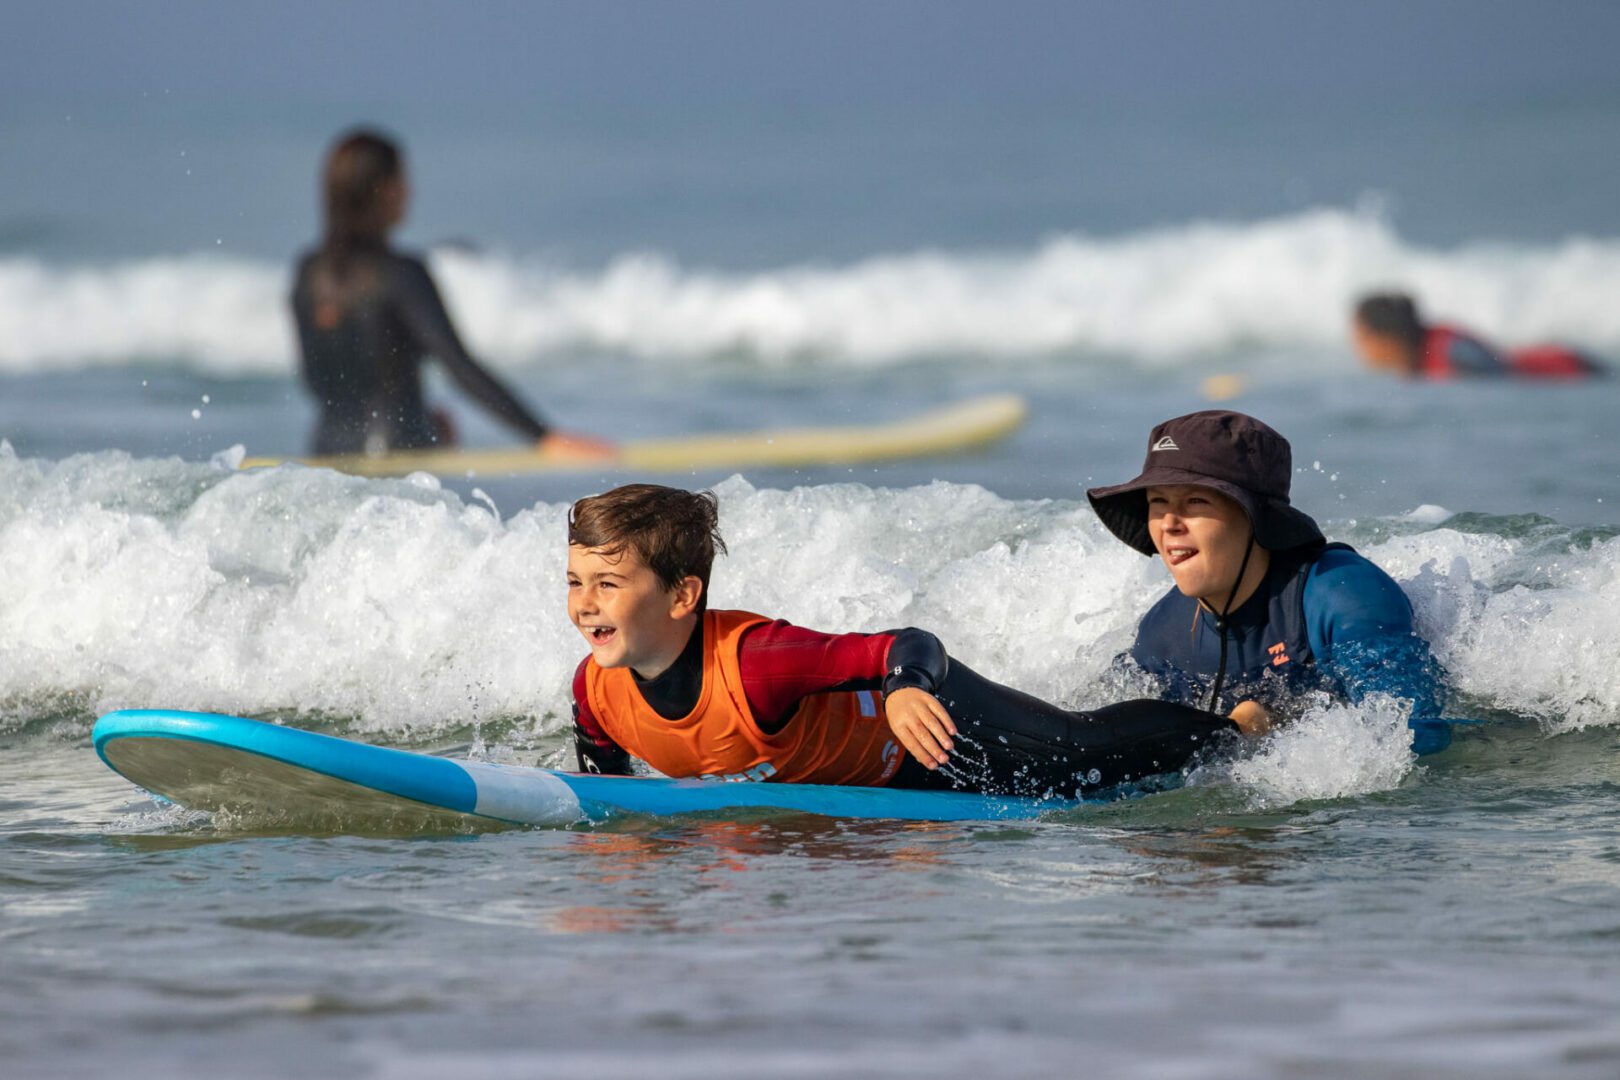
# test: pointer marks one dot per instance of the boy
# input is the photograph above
(1264, 610)
(1391, 336)
(729, 695)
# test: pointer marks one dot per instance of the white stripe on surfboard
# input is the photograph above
(526, 796)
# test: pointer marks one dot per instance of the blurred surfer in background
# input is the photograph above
(369, 316)
(1264, 611)
(730, 695)
(1391, 336)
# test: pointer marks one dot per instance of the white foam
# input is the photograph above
(1331, 752)
(220, 315)
(1428, 514)
(1529, 627)
(1165, 296)
(398, 606)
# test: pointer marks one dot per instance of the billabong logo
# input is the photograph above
(1165, 443)
(758, 774)
(891, 758)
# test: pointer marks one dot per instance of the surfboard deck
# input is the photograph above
(272, 774)
(965, 425)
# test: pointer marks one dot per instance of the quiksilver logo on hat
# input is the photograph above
(1165, 443)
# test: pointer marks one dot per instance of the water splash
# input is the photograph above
(396, 607)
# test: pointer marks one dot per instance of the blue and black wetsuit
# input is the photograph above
(1325, 618)
(1448, 353)
(367, 319)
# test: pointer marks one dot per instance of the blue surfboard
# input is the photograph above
(269, 773)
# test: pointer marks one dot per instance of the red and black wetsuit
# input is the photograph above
(1007, 741)
(1449, 353)
(367, 319)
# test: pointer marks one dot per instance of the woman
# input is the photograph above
(1264, 610)
(368, 316)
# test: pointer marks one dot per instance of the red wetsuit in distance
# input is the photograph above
(1450, 353)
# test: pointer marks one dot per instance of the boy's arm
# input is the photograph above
(595, 752)
(1360, 625)
(782, 664)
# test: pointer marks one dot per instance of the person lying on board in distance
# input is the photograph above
(1391, 336)
(368, 316)
(730, 695)
(1264, 610)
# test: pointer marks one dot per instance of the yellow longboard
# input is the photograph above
(963, 426)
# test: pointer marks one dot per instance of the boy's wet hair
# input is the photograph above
(674, 532)
(1392, 315)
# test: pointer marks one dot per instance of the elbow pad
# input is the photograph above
(916, 659)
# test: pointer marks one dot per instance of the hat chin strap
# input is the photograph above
(1220, 623)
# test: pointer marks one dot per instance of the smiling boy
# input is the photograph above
(730, 695)
(1264, 611)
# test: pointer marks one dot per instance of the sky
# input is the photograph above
(754, 134)
(939, 50)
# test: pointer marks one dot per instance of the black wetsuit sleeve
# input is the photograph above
(916, 659)
(1009, 742)
(594, 749)
(320, 379)
(424, 314)
(598, 754)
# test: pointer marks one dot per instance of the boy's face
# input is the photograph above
(1202, 537)
(627, 616)
(1380, 351)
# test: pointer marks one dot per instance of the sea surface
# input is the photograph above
(1327, 905)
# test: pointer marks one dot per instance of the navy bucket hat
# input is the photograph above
(1228, 452)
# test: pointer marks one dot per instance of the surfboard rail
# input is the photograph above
(965, 425)
(216, 762)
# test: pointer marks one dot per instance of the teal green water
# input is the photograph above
(677, 224)
(1325, 907)
(1461, 924)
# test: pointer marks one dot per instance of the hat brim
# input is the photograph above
(1277, 525)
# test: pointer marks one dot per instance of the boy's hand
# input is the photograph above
(1252, 718)
(922, 725)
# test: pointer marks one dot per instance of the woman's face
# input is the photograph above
(396, 199)
(1202, 537)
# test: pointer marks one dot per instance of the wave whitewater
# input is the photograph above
(1158, 297)
(397, 607)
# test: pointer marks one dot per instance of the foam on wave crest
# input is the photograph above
(397, 607)
(1160, 296)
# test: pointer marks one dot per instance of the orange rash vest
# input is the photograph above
(839, 737)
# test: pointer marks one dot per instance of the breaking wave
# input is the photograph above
(1154, 298)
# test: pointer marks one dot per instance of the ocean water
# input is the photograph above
(652, 264)
(1328, 905)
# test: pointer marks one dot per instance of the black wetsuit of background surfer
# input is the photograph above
(1007, 742)
(366, 321)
